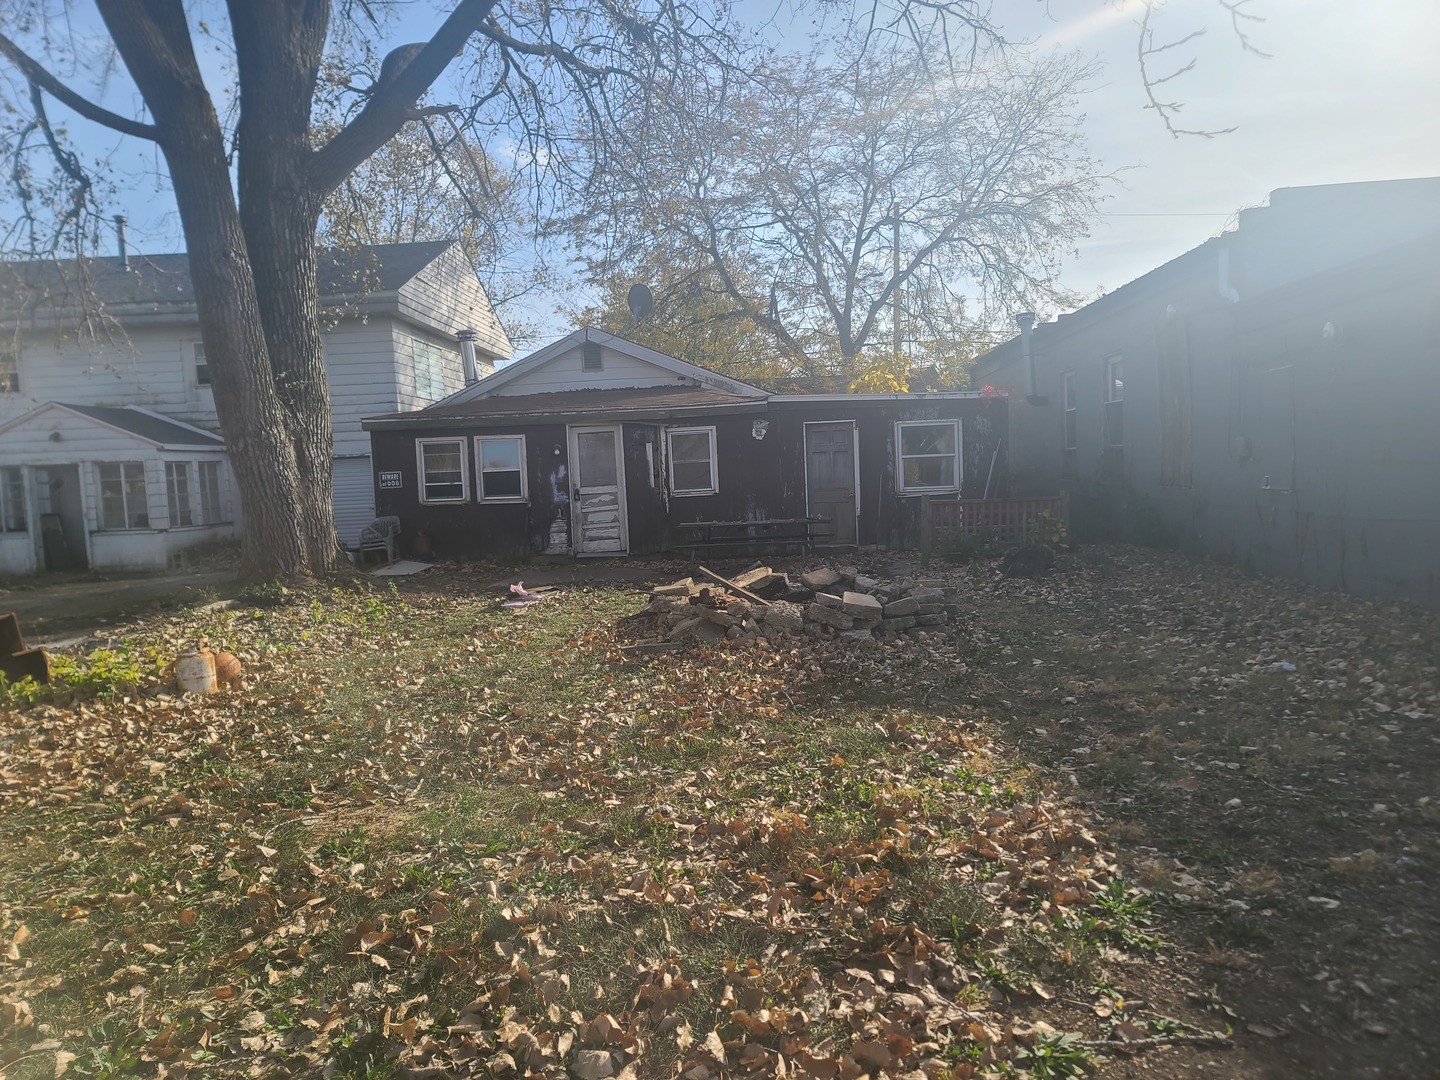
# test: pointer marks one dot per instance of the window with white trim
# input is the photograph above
(500, 466)
(429, 370)
(202, 369)
(177, 494)
(9, 371)
(928, 457)
(442, 470)
(1114, 401)
(1071, 428)
(12, 499)
(211, 510)
(123, 499)
(691, 455)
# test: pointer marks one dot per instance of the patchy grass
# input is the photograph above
(429, 833)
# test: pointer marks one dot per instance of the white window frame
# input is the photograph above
(436, 360)
(480, 441)
(124, 497)
(200, 490)
(1113, 403)
(900, 487)
(1070, 432)
(464, 495)
(12, 488)
(175, 505)
(197, 361)
(688, 493)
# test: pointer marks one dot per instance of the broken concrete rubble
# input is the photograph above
(770, 607)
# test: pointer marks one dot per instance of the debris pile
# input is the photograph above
(763, 603)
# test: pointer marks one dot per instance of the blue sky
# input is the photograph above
(1350, 92)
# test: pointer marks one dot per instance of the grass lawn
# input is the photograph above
(1096, 827)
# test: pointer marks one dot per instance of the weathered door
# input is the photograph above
(597, 481)
(830, 477)
(60, 509)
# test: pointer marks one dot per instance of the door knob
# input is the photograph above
(577, 494)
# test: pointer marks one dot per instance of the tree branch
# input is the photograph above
(392, 104)
(36, 75)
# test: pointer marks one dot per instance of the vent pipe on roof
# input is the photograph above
(467, 356)
(1026, 321)
(124, 251)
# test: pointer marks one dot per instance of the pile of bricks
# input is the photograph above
(766, 604)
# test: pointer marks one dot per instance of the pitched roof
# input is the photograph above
(164, 280)
(144, 424)
(566, 345)
(627, 401)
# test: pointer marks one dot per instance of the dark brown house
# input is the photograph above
(597, 446)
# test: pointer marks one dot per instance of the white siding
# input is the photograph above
(564, 372)
(17, 553)
(360, 363)
(447, 296)
(412, 395)
(154, 368)
(354, 498)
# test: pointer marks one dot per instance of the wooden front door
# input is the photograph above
(830, 477)
(597, 481)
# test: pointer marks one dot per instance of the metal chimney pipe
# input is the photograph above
(467, 356)
(1026, 321)
(120, 242)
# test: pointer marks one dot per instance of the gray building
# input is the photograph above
(1268, 397)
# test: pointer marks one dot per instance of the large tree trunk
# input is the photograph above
(154, 41)
(279, 44)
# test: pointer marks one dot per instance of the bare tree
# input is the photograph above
(434, 181)
(250, 189)
(839, 206)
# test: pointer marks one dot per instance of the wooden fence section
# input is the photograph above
(1009, 521)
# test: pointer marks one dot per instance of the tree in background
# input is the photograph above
(435, 182)
(820, 203)
(250, 188)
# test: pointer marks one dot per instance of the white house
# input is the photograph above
(110, 450)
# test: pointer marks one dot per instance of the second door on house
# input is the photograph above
(597, 499)
(830, 477)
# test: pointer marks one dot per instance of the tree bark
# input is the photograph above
(154, 42)
(279, 46)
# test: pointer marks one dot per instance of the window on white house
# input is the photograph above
(12, 499)
(9, 371)
(211, 511)
(202, 369)
(429, 370)
(442, 470)
(1071, 433)
(123, 498)
(1114, 401)
(692, 461)
(929, 457)
(177, 493)
(501, 467)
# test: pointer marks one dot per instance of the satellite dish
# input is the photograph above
(640, 301)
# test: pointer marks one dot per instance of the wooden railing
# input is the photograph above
(1006, 521)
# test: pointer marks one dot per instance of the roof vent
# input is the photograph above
(590, 357)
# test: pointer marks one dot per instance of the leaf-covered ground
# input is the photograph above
(1097, 826)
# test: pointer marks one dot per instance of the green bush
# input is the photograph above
(103, 673)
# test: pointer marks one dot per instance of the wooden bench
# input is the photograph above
(716, 534)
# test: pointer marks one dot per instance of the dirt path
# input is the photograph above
(59, 606)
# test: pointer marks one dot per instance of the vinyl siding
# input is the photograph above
(564, 373)
(446, 297)
(153, 368)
